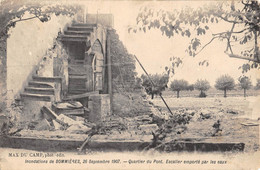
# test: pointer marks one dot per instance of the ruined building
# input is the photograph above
(76, 68)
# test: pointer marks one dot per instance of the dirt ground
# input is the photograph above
(232, 112)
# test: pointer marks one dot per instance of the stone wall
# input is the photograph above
(126, 100)
(26, 47)
(3, 72)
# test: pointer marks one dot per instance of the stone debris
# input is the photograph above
(4, 121)
(66, 119)
(56, 125)
(250, 124)
(78, 129)
(149, 128)
(68, 108)
(231, 111)
(43, 125)
(144, 119)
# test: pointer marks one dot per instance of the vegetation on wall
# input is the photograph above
(12, 12)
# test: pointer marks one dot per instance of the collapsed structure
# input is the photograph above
(87, 77)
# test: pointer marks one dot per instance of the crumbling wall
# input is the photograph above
(127, 101)
(26, 46)
(3, 72)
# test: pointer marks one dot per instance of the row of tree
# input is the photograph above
(224, 83)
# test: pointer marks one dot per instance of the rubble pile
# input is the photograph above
(183, 124)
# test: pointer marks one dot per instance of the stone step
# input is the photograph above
(40, 84)
(84, 25)
(38, 97)
(78, 91)
(47, 79)
(76, 38)
(80, 28)
(80, 33)
(33, 90)
(83, 76)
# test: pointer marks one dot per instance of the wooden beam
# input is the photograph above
(49, 112)
(109, 68)
(79, 96)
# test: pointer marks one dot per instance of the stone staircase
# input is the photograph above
(78, 32)
(78, 78)
(42, 89)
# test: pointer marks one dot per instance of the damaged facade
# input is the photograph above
(72, 78)
(86, 77)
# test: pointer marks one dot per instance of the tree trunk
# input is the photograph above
(244, 92)
(225, 93)
(257, 57)
(201, 93)
(178, 94)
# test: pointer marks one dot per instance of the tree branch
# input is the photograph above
(26, 19)
(206, 45)
(230, 21)
(240, 57)
(257, 57)
(17, 21)
(233, 32)
(228, 38)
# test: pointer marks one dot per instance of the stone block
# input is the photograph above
(4, 121)
(149, 128)
(99, 106)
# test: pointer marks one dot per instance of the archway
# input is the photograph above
(98, 66)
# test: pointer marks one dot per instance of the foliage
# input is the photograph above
(175, 63)
(160, 82)
(225, 82)
(179, 85)
(138, 83)
(194, 23)
(245, 83)
(257, 86)
(123, 67)
(202, 86)
(13, 11)
(190, 87)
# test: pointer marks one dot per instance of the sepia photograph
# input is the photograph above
(129, 84)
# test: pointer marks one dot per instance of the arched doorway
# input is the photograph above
(97, 66)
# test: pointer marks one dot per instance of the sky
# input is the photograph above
(154, 50)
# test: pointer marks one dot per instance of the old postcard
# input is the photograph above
(129, 84)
